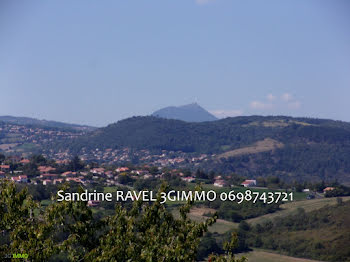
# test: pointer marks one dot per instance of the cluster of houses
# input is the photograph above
(19, 177)
(219, 181)
(165, 158)
(49, 175)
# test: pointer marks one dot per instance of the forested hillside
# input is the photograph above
(216, 136)
(292, 148)
(323, 234)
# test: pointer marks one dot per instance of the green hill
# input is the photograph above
(28, 121)
(322, 234)
(292, 148)
(215, 136)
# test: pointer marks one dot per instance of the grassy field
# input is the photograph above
(263, 256)
(291, 207)
(267, 144)
(221, 226)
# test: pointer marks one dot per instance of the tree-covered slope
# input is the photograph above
(283, 146)
(322, 234)
(216, 136)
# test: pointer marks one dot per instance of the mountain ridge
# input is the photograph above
(22, 120)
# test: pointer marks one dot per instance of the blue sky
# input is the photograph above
(96, 62)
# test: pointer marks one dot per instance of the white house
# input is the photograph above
(188, 179)
(249, 183)
(219, 183)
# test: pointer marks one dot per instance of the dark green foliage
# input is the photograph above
(156, 134)
(338, 190)
(125, 179)
(75, 164)
(235, 212)
(207, 246)
(323, 234)
(38, 160)
(144, 232)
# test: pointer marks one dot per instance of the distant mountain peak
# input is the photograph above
(190, 113)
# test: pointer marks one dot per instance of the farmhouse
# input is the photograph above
(249, 183)
(328, 189)
(45, 169)
(219, 183)
(98, 170)
(122, 169)
(25, 161)
(5, 167)
(188, 179)
(20, 179)
(68, 174)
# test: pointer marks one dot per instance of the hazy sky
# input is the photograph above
(96, 62)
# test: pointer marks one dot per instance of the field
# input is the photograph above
(267, 144)
(291, 207)
(263, 256)
(221, 226)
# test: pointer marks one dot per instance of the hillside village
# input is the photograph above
(115, 156)
(41, 171)
(55, 173)
(23, 140)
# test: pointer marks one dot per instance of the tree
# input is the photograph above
(2, 157)
(145, 232)
(38, 159)
(208, 245)
(75, 164)
(229, 248)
